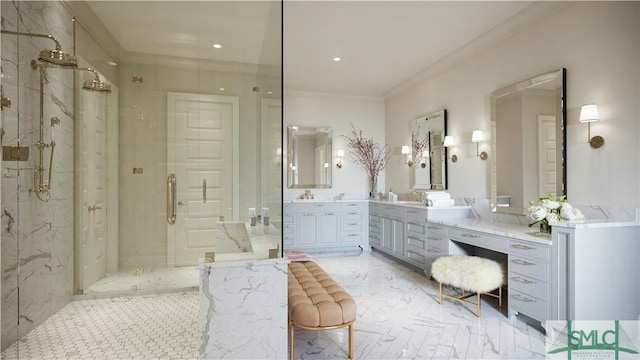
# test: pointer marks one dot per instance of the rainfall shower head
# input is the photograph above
(55, 57)
(96, 85)
(59, 58)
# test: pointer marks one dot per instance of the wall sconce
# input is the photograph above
(448, 142)
(589, 114)
(340, 156)
(477, 137)
(406, 152)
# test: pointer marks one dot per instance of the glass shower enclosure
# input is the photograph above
(116, 192)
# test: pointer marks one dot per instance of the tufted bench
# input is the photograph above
(317, 302)
(469, 273)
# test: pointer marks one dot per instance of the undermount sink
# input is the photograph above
(409, 202)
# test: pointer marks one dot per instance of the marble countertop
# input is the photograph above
(514, 231)
(592, 224)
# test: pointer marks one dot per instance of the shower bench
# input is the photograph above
(317, 302)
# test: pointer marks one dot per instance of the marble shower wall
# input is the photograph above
(37, 237)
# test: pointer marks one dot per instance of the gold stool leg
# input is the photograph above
(351, 341)
(500, 297)
(440, 293)
(478, 294)
(291, 340)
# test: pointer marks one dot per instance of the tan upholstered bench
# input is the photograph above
(317, 302)
(469, 273)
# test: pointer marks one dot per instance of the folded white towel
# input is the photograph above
(437, 195)
(440, 202)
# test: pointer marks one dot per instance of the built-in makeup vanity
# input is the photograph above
(583, 271)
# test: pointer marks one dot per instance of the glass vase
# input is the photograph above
(373, 188)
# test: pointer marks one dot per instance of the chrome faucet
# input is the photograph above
(307, 194)
(340, 196)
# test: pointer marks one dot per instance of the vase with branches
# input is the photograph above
(372, 157)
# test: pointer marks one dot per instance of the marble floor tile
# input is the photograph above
(399, 317)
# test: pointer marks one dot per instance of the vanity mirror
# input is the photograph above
(429, 171)
(309, 157)
(528, 122)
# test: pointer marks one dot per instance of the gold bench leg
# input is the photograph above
(351, 341)
(440, 293)
(290, 340)
(478, 294)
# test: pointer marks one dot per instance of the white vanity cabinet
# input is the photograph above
(528, 279)
(415, 244)
(437, 244)
(354, 219)
(324, 225)
(393, 229)
(595, 271)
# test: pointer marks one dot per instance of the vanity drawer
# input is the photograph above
(359, 207)
(529, 249)
(288, 229)
(416, 228)
(352, 225)
(529, 305)
(288, 218)
(529, 267)
(439, 242)
(288, 240)
(435, 252)
(415, 257)
(436, 230)
(393, 211)
(353, 215)
(416, 244)
(495, 243)
(374, 220)
(528, 285)
(416, 214)
(352, 237)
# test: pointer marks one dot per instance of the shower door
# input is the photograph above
(202, 139)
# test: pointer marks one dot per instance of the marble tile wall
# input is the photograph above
(37, 237)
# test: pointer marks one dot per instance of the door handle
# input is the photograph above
(204, 190)
(171, 199)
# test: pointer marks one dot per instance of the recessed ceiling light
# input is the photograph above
(336, 59)
(217, 46)
(221, 89)
(270, 92)
(112, 63)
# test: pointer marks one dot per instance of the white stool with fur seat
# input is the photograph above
(469, 273)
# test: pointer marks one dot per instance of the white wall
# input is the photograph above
(337, 112)
(598, 44)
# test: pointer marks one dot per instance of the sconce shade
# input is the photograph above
(448, 141)
(477, 136)
(340, 153)
(425, 154)
(405, 150)
(589, 113)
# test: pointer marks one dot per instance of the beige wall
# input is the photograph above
(337, 112)
(598, 44)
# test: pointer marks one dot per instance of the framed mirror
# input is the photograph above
(528, 122)
(309, 157)
(429, 170)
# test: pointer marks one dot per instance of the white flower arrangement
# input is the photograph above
(545, 209)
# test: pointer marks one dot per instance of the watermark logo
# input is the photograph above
(573, 339)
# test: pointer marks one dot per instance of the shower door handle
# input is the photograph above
(204, 190)
(171, 199)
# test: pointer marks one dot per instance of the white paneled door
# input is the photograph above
(547, 164)
(202, 150)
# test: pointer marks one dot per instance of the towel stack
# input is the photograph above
(439, 199)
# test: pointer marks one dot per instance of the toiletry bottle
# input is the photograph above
(252, 216)
(265, 216)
